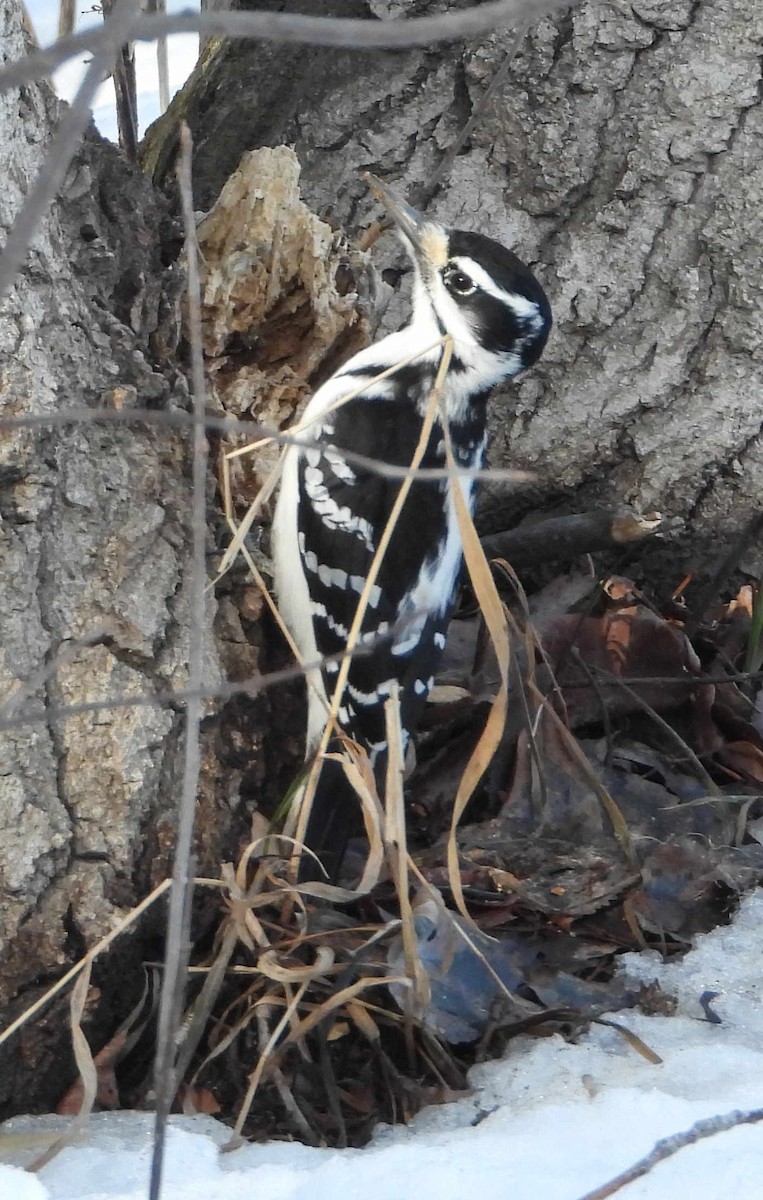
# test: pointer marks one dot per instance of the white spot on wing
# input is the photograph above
(411, 640)
(339, 465)
(357, 583)
(320, 610)
(332, 576)
(332, 515)
(369, 698)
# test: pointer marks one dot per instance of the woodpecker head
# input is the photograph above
(474, 289)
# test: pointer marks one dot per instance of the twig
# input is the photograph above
(231, 425)
(577, 657)
(350, 33)
(66, 16)
(669, 1146)
(123, 75)
(162, 60)
(223, 691)
(178, 925)
(22, 690)
(561, 538)
(254, 684)
(666, 728)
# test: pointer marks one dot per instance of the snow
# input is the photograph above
(552, 1120)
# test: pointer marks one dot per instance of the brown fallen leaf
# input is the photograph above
(745, 759)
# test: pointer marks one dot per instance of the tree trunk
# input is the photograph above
(622, 156)
(93, 587)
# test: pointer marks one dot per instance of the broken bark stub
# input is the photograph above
(272, 311)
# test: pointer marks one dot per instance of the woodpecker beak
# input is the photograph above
(428, 239)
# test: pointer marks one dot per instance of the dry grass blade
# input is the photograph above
(223, 1044)
(359, 773)
(634, 1041)
(339, 999)
(87, 1072)
(241, 529)
(397, 851)
(361, 1017)
(84, 962)
(495, 619)
(616, 818)
(300, 426)
(265, 1055)
(205, 1001)
(270, 967)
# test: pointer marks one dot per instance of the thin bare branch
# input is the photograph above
(350, 33)
(125, 92)
(427, 192)
(705, 779)
(66, 18)
(561, 538)
(162, 58)
(223, 691)
(22, 690)
(669, 1146)
(229, 425)
(87, 1073)
(178, 925)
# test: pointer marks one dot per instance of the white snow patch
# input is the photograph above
(551, 1120)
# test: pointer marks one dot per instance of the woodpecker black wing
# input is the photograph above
(343, 510)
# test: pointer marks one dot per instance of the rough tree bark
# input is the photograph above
(93, 550)
(622, 156)
(93, 557)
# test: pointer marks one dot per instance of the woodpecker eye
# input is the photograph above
(458, 282)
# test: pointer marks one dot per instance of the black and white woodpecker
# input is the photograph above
(331, 512)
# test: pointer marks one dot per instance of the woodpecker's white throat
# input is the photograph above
(331, 513)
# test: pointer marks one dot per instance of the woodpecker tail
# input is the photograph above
(335, 817)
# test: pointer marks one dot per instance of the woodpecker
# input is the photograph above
(331, 512)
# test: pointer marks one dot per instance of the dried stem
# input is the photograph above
(669, 1146)
(178, 925)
